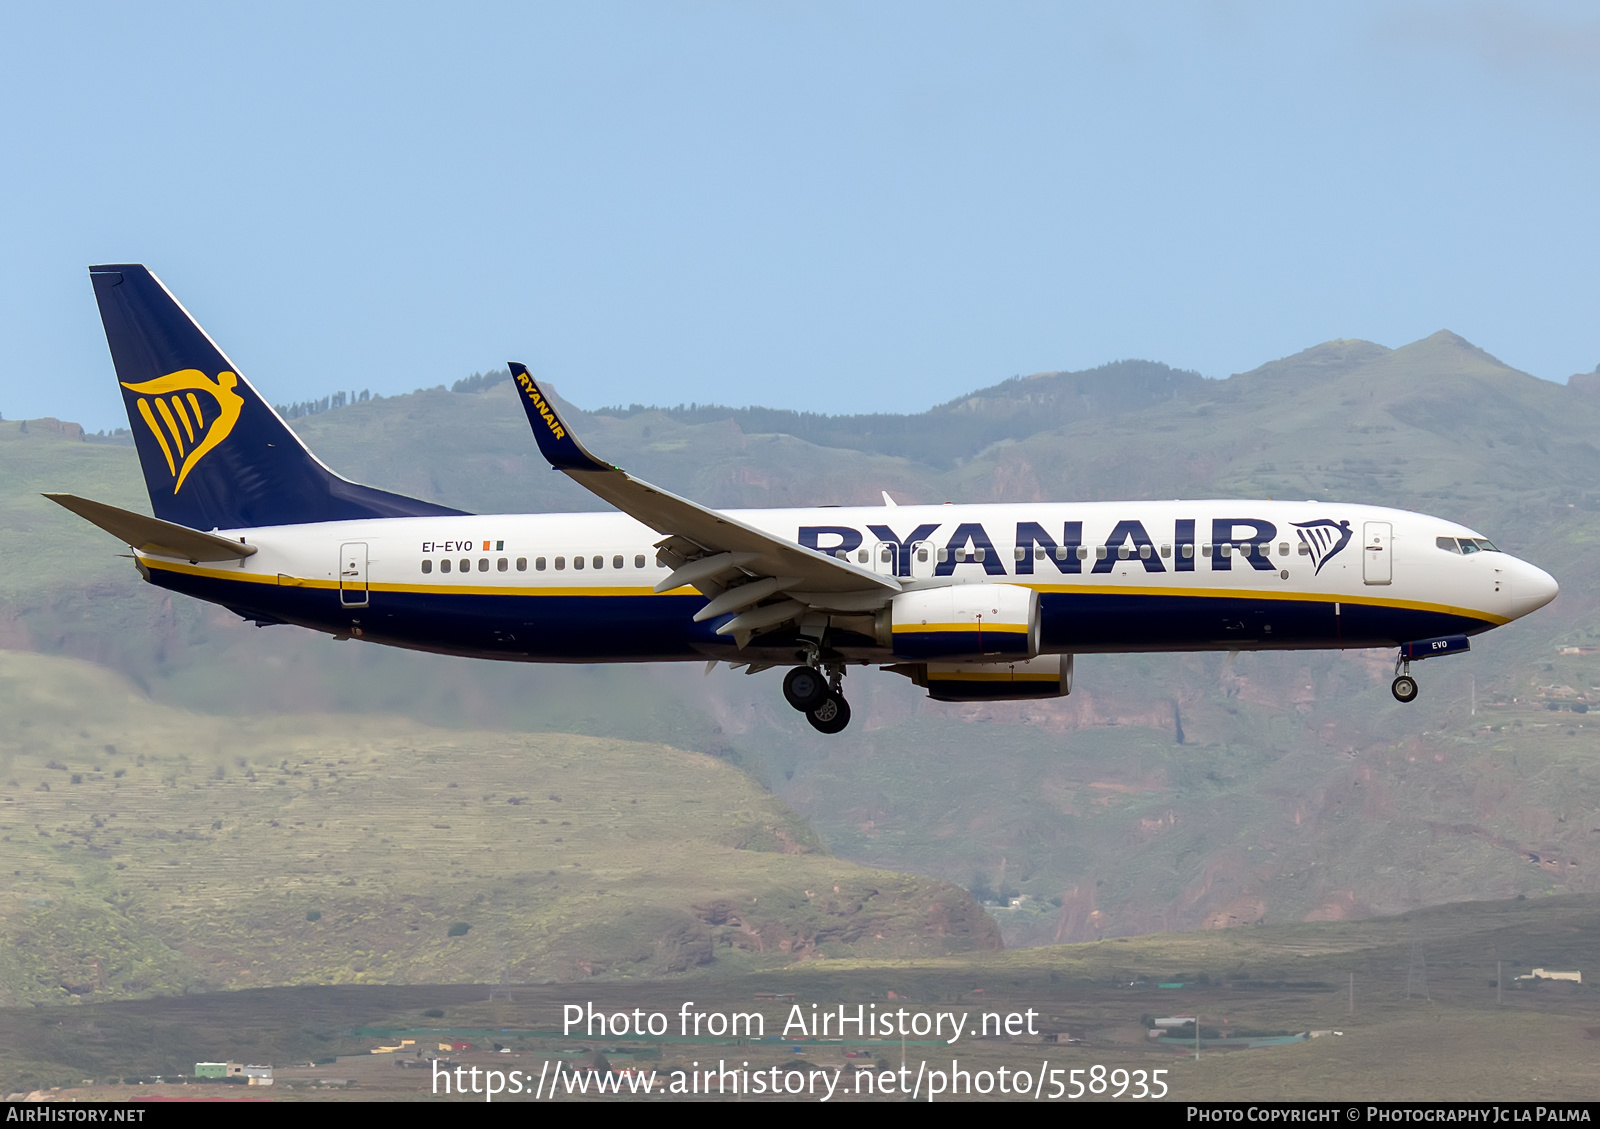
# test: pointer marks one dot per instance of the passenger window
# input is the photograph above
(1283, 548)
(922, 555)
(981, 553)
(1205, 550)
(1144, 551)
(841, 554)
(944, 555)
(638, 561)
(1305, 550)
(1188, 552)
(1020, 553)
(886, 554)
(861, 556)
(444, 566)
(1061, 552)
(1083, 552)
(1122, 553)
(561, 563)
(483, 564)
(599, 562)
(466, 565)
(577, 562)
(502, 564)
(1099, 552)
(1166, 550)
(616, 561)
(538, 564)
(1225, 551)
(522, 564)
(427, 566)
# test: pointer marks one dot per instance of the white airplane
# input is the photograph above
(972, 602)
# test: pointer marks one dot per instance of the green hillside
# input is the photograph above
(1300, 789)
(151, 850)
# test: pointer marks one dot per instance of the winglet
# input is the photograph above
(555, 439)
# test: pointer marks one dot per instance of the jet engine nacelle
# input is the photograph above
(1048, 676)
(962, 621)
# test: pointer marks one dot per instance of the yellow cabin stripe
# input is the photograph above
(447, 589)
(285, 581)
(973, 628)
(1293, 597)
(947, 676)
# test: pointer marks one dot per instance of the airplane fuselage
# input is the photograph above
(1111, 577)
(971, 602)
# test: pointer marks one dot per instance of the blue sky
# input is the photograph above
(831, 207)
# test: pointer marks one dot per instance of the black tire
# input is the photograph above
(831, 715)
(1404, 689)
(804, 687)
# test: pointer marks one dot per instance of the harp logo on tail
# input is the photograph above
(1324, 539)
(189, 414)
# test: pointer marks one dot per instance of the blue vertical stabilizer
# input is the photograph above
(215, 455)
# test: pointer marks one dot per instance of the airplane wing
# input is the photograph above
(152, 535)
(736, 564)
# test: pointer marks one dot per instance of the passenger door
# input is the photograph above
(1377, 554)
(353, 574)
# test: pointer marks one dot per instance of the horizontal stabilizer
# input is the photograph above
(152, 535)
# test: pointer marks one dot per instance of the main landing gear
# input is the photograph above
(819, 696)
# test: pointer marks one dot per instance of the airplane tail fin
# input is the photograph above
(214, 453)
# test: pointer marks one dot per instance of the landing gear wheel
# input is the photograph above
(831, 715)
(1404, 689)
(804, 687)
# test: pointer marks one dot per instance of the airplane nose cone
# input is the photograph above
(1531, 589)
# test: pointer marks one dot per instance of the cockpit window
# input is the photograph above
(1465, 544)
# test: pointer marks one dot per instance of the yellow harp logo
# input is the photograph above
(195, 414)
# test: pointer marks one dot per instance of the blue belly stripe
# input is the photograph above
(652, 628)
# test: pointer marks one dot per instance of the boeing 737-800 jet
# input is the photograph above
(972, 602)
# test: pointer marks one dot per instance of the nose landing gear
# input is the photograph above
(817, 693)
(1404, 687)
